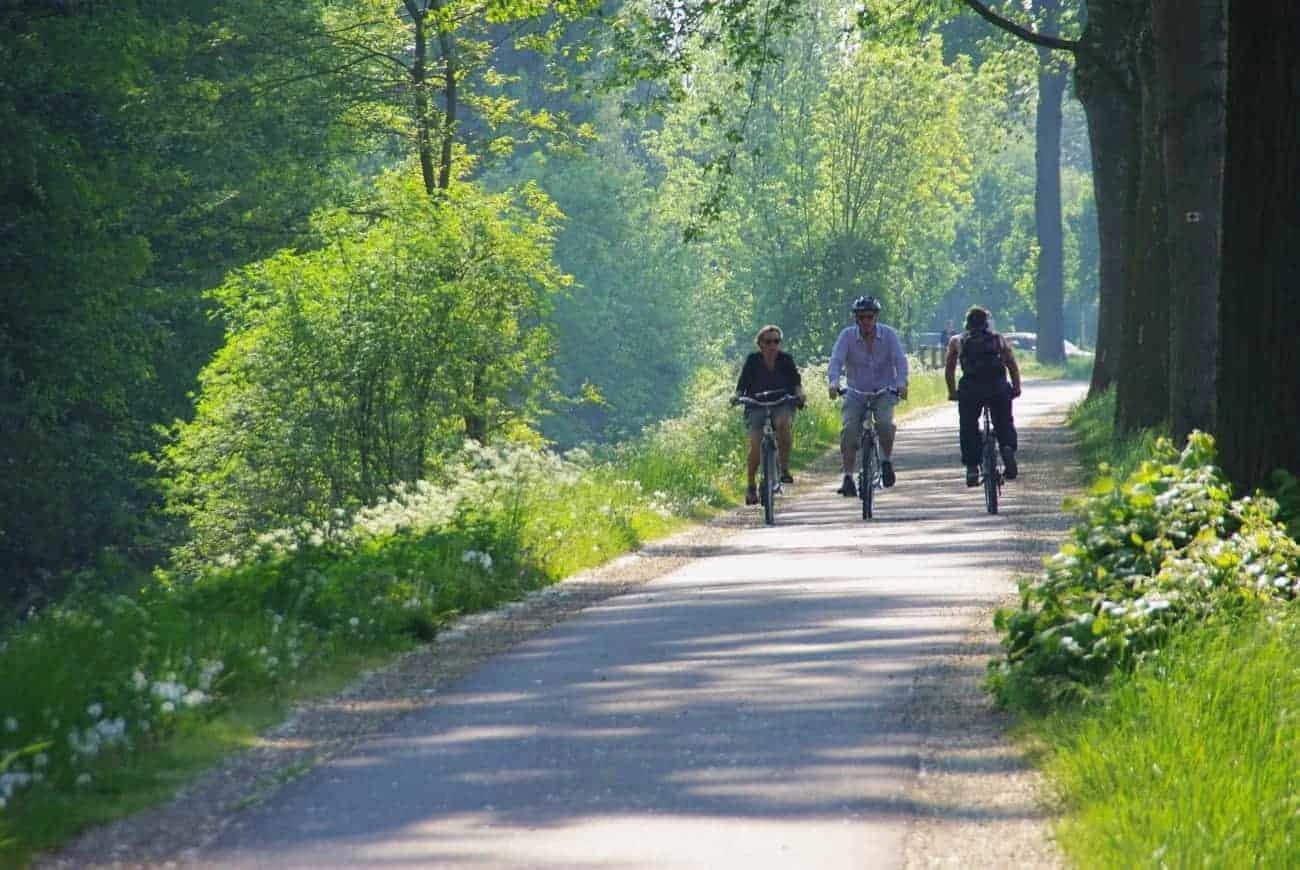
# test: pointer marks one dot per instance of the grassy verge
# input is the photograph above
(1154, 659)
(109, 702)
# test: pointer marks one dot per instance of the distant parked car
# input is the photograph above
(1028, 341)
(929, 339)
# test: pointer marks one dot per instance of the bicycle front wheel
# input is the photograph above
(870, 472)
(990, 472)
(767, 492)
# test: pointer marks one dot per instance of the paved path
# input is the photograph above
(756, 708)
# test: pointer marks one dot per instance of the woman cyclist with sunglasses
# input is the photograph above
(769, 371)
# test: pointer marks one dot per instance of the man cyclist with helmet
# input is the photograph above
(986, 358)
(871, 358)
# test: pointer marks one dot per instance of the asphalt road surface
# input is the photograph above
(756, 708)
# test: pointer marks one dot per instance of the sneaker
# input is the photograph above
(887, 476)
(848, 487)
(972, 475)
(751, 496)
(1009, 463)
(787, 477)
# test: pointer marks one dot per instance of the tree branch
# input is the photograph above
(1027, 35)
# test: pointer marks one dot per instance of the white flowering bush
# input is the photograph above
(93, 684)
(1150, 554)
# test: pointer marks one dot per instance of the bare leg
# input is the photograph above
(751, 464)
(784, 441)
(886, 442)
(848, 453)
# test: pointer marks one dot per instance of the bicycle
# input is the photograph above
(991, 464)
(869, 450)
(770, 475)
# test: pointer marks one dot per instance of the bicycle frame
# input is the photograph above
(770, 476)
(869, 450)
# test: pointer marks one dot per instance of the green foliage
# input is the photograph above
(357, 365)
(1164, 548)
(1192, 761)
(144, 154)
(96, 692)
(642, 311)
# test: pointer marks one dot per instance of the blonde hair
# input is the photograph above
(771, 327)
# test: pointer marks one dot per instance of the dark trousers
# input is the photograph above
(969, 411)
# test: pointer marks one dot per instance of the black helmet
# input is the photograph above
(865, 303)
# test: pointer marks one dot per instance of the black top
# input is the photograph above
(756, 378)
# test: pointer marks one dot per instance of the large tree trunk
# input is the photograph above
(1050, 280)
(1190, 54)
(1142, 387)
(1105, 80)
(1259, 314)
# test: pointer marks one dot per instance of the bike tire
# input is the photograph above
(990, 472)
(767, 492)
(867, 489)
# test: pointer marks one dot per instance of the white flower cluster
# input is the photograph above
(12, 780)
(102, 734)
(476, 557)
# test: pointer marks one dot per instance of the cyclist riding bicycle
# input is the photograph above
(986, 359)
(871, 358)
(769, 369)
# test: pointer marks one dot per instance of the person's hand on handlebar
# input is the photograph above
(902, 391)
(835, 392)
(952, 395)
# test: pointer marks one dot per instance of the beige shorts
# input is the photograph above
(855, 409)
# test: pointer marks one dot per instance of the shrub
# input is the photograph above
(1164, 547)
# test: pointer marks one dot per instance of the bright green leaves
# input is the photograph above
(355, 366)
(1163, 547)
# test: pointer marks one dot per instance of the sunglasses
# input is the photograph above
(867, 315)
(771, 341)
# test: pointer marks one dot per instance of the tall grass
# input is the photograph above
(1192, 762)
(1192, 757)
(1098, 444)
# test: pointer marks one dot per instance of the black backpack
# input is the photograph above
(981, 357)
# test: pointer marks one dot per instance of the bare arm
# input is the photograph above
(950, 365)
(1013, 368)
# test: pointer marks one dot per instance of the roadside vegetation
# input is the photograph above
(1154, 659)
(112, 700)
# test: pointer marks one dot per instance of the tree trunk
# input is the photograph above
(1142, 386)
(1050, 280)
(1259, 314)
(1190, 48)
(447, 42)
(1105, 78)
(420, 87)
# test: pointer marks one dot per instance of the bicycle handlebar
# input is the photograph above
(771, 403)
(869, 394)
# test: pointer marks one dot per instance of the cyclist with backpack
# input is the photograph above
(769, 369)
(986, 359)
(871, 357)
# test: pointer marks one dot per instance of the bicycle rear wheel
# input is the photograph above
(989, 470)
(767, 491)
(870, 471)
